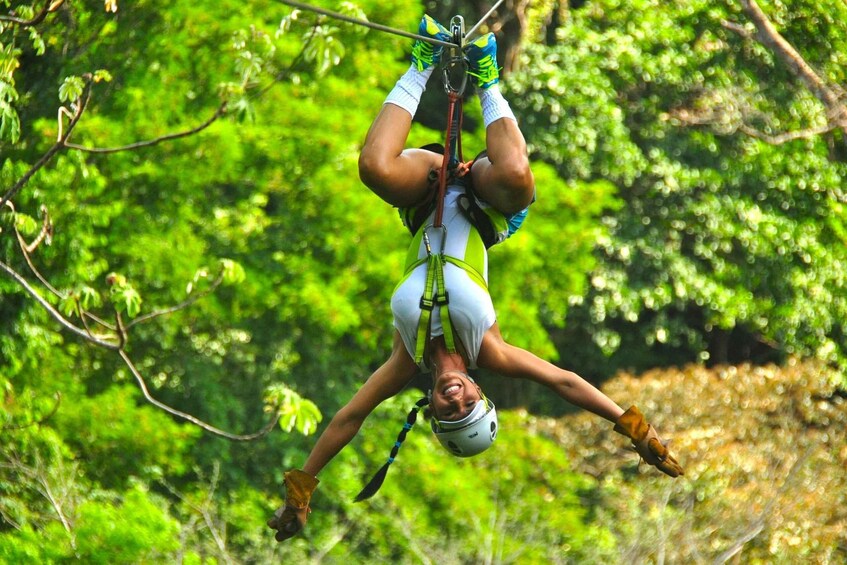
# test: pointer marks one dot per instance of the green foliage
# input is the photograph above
(123, 295)
(725, 247)
(117, 439)
(133, 528)
(71, 89)
(295, 411)
(108, 528)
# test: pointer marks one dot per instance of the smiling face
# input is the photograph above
(454, 395)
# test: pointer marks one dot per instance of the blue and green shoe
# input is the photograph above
(482, 61)
(425, 54)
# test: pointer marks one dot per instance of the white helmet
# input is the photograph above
(472, 434)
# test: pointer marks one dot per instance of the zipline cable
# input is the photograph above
(480, 22)
(366, 23)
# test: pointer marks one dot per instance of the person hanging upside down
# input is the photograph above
(444, 318)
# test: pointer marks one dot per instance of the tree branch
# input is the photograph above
(121, 338)
(182, 305)
(203, 510)
(139, 144)
(767, 34)
(26, 251)
(188, 417)
(40, 420)
(58, 146)
(41, 484)
(101, 341)
(759, 523)
(785, 137)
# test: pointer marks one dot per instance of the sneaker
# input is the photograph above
(482, 61)
(425, 54)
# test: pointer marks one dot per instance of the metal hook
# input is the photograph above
(456, 67)
(426, 239)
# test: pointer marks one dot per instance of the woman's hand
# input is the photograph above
(647, 442)
(290, 518)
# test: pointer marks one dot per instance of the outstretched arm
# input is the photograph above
(510, 361)
(384, 383)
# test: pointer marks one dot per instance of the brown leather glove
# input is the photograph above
(647, 442)
(291, 517)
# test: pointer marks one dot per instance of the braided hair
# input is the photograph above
(377, 480)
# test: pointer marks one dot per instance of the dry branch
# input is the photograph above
(830, 96)
(769, 36)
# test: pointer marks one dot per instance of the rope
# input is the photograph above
(454, 99)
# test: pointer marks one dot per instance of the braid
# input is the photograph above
(377, 480)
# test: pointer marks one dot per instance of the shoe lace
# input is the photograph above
(485, 69)
(423, 51)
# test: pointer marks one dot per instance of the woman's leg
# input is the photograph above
(395, 174)
(503, 178)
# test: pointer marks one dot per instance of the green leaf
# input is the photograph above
(88, 297)
(102, 75)
(123, 296)
(295, 411)
(233, 272)
(26, 224)
(68, 305)
(71, 89)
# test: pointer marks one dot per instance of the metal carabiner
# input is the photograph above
(456, 67)
(426, 239)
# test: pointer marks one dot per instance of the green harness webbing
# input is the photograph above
(435, 292)
(431, 298)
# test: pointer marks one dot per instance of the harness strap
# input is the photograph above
(435, 295)
(467, 267)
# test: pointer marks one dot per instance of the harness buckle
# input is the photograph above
(442, 299)
(427, 304)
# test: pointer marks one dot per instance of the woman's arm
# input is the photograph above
(384, 383)
(510, 361)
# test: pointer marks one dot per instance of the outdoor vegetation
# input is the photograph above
(193, 280)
